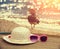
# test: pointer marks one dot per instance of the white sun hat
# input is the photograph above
(20, 35)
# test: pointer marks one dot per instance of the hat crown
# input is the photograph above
(21, 33)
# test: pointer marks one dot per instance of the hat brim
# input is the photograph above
(17, 42)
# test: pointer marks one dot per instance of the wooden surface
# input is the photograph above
(53, 42)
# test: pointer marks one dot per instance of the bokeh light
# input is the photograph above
(46, 3)
(46, 6)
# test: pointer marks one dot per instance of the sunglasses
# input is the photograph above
(42, 38)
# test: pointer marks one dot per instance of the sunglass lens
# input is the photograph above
(33, 38)
(43, 38)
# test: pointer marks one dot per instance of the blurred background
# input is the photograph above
(19, 8)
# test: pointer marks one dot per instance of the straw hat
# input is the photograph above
(19, 35)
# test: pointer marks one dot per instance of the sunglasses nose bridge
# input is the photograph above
(38, 37)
